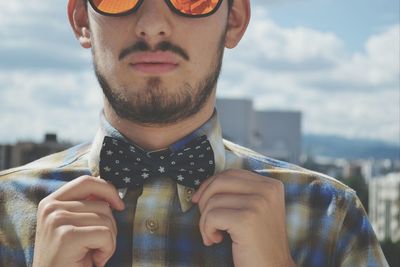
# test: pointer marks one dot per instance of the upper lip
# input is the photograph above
(153, 58)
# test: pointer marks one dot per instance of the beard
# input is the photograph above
(154, 105)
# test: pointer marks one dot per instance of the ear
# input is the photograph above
(238, 21)
(78, 18)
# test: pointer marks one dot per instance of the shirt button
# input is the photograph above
(189, 193)
(151, 225)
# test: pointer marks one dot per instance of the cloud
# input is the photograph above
(278, 49)
(35, 102)
(293, 46)
(348, 94)
(36, 34)
(378, 65)
(46, 81)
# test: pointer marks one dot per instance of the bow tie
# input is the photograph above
(127, 165)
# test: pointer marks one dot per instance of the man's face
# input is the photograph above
(154, 66)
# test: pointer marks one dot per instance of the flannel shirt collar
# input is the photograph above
(211, 129)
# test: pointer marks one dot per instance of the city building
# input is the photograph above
(384, 206)
(25, 152)
(5, 156)
(279, 134)
(276, 134)
(237, 118)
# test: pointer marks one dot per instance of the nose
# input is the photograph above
(153, 21)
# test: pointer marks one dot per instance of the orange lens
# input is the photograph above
(115, 7)
(195, 7)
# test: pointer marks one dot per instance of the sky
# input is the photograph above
(336, 61)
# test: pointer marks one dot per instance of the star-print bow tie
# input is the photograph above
(127, 165)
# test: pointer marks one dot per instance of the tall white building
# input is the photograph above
(384, 206)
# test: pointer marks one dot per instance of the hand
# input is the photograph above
(251, 208)
(75, 225)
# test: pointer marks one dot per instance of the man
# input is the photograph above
(127, 199)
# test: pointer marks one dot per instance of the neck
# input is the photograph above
(157, 137)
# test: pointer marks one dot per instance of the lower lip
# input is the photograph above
(154, 68)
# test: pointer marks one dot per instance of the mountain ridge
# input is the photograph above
(348, 148)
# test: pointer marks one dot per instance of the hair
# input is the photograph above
(230, 3)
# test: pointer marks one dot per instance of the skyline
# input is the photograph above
(344, 84)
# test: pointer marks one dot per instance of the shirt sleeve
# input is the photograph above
(15, 231)
(357, 244)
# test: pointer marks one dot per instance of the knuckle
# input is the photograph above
(279, 189)
(42, 203)
(215, 198)
(47, 206)
(280, 184)
(206, 204)
(275, 192)
(109, 221)
(56, 218)
(85, 179)
(66, 232)
(273, 185)
(105, 230)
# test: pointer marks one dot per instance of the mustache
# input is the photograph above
(142, 46)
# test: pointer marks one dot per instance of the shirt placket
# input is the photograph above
(150, 226)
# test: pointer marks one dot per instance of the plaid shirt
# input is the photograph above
(326, 223)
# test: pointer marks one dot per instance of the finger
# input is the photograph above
(234, 201)
(231, 201)
(87, 238)
(85, 206)
(238, 173)
(86, 186)
(98, 207)
(232, 185)
(62, 217)
(220, 219)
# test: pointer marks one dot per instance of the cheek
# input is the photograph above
(107, 41)
(205, 50)
(204, 37)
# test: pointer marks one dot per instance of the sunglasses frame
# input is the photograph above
(168, 2)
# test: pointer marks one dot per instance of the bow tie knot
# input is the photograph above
(127, 165)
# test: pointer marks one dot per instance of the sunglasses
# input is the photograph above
(186, 8)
